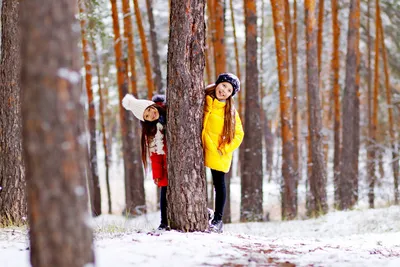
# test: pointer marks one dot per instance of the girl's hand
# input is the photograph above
(156, 180)
(219, 152)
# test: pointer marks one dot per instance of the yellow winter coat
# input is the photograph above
(213, 123)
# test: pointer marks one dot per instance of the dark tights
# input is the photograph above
(163, 205)
(220, 193)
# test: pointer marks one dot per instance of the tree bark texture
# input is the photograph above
(348, 175)
(134, 180)
(219, 44)
(296, 150)
(154, 48)
(335, 63)
(13, 209)
(252, 175)
(94, 195)
(54, 140)
(102, 114)
(145, 51)
(187, 200)
(288, 189)
(128, 35)
(395, 160)
(317, 180)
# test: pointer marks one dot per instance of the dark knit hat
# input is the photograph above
(230, 78)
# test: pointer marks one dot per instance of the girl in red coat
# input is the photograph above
(152, 116)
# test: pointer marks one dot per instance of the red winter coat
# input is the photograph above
(158, 155)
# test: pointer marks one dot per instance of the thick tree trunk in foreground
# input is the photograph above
(53, 129)
(187, 200)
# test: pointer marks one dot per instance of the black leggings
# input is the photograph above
(163, 205)
(220, 193)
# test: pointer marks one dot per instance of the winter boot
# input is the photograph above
(163, 227)
(216, 226)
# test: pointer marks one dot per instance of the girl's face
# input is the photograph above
(223, 91)
(151, 114)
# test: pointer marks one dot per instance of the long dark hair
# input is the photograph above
(149, 130)
(228, 132)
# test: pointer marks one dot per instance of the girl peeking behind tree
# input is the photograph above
(152, 116)
(222, 134)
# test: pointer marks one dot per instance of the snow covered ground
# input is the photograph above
(352, 238)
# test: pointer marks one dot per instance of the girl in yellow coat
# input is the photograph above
(222, 134)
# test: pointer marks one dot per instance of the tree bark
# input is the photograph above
(53, 130)
(13, 209)
(348, 173)
(335, 63)
(295, 118)
(145, 51)
(288, 188)
(252, 175)
(317, 180)
(395, 161)
(187, 204)
(219, 44)
(134, 180)
(154, 47)
(94, 195)
(128, 35)
(102, 112)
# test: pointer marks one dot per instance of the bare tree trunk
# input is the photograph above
(154, 47)
(187, 201)
(348, 175)
(53, 127)
(102, 121)
(395, 161)
(219, 44)
(336, 98)
(95, 195)
(317, 180)
(145, 51)
(295, 118)
(128, 35)
(12, 167)
(251, 177)
(289, 209)
(374, 119)
(134, 181)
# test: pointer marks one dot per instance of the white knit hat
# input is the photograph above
(137, 106)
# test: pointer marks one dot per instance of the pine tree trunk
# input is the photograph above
(317, 180)
(252, 175)
(348, 175)
(295, 118)
(289, 208)
(128, 35)
(145, 51)
(395, 161)
(336, 98)
(95, 196)
(154, 47)
(102, 112)
(374, 119)
(219, 44)
(134, 180)
(53, 126)
(12, 168)
(187, 201)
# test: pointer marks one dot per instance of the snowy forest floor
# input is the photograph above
(351, 238)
